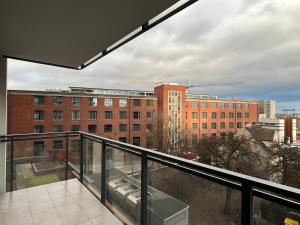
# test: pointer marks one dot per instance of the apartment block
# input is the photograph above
(267, 109)
(128, 115)
(285, 128)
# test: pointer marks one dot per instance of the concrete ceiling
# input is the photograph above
(69, 32)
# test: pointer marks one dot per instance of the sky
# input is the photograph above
(256, 42)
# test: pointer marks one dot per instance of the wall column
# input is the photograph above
(3, 121)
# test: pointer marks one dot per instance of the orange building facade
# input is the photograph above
(128, 115)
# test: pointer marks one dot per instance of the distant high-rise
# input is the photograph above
(267, 109)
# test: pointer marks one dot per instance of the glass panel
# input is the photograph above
(74, 154)
(270, 213)
(176, 197)
(92, 165)
(37, 162)
(123, 185)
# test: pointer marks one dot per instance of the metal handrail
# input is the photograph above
(249, 187)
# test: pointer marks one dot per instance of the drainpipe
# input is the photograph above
(3, 121)
(129, 120)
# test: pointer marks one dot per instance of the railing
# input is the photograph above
(143, 186)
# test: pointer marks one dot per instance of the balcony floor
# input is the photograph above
(61, 203)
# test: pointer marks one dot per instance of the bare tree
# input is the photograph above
(165, 136)
(285, 164)
(230, 152)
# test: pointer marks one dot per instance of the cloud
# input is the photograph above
(257, 42)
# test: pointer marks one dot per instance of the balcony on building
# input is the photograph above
(81, 178)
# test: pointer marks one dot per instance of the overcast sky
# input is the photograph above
(255, 42)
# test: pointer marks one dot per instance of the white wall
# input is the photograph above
(3, 124)
(274, 124)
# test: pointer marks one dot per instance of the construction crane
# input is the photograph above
(188, 85)
(287, 111)
(214, 84)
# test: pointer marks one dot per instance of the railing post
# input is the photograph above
(247, 204)
(103, 173)
(81, 159)
(67, 157)
(11, 179)
(144, 184)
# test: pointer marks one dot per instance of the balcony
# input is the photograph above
(64, 202)
(134, 185)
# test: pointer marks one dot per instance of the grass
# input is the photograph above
(40, 180)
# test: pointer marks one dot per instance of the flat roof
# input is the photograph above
(75, 33)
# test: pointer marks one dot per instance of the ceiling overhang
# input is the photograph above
(72, 33)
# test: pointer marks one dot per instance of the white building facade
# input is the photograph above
(267, 109)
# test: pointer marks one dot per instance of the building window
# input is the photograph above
(108, 115)
(123, 115)
(239, 115)
(213, 126)
(92, 128)
(75, 128)
(92, 101)
(149, 115)
(39, 100)
(136, 127)
(222, 125)
(136, 141)
(204, 105)
(57, 100)
(239, 105)
(38, 148)
(75, 101)
(123, 139)
(239, 125)
(107, 128)
(39, 115)
(58, 128)
(149, 142)
(136, 115)
(58, 115)
(38, 129)
(204, 126)
(194, 139)
(57, 144)
(108, 102)
(75, 145)
(75, 115)
(122, 102)
(231, 125)
(195, 126)
(231, 105)
(247, 115)
(213, 115)
(149, 103)
(213, 105)
(246, 105)
(223, 105)
(194, 115)
(149, 127)
(136, 102)
(204, 115)
(222, 115)
(92, 115)
(122, 127)
(194, 104)
(231, 115)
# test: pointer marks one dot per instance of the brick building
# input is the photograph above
(128, 115)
